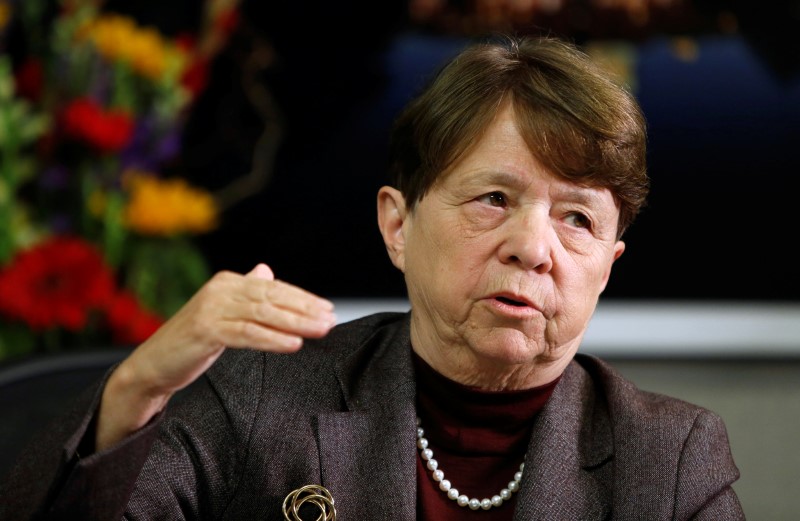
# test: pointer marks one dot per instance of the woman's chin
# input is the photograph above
(508, 346)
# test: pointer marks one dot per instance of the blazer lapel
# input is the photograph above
(568, 463)
(367, 454)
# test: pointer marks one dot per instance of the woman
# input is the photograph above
(515, 174)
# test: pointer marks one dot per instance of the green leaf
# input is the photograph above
(164, 273)
(33, 127)
(114, 232)
(15, 340)
(6, 79)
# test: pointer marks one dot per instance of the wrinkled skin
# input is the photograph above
(504, 263)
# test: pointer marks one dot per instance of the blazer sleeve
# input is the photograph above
(195, 466)
(706, 472)
(185, 464)
(57, 475)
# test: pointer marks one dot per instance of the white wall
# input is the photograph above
(658, 329)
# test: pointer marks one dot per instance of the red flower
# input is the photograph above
(108, 131)
(195, 76)
(29, 79)
(130, 323)
(56, 283)
(186, 41)
(227, 21)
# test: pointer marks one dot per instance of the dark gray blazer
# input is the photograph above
(341, 413)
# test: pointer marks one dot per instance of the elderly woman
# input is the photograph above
(515, 174)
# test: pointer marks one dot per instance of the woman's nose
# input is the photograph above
(529, 241)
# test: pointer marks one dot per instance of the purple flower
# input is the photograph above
(54, 178)
(60, 223)
(151, 145)
(169, 145)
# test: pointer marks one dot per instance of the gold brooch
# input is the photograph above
(316, 495)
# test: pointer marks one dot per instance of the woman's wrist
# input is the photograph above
(126, 406)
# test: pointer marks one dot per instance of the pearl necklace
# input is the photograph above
(452, 493)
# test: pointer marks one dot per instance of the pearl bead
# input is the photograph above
(452, 493)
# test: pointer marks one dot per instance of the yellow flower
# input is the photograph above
(147, 53)
(5, 14)
(167, 206)
(117, 37)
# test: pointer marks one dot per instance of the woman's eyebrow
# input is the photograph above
(582, 195)
(496, 177)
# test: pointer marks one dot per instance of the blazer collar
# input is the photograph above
(568, 462)
(367, 454)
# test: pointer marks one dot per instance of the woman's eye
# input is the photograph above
(494, 199)
(579, 220)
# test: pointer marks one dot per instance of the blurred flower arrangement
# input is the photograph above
(95, 239)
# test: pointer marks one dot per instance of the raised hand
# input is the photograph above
(230, 311)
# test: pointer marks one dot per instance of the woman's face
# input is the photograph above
(504, 263)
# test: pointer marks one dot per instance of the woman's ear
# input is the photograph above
(391, 218)
(619, 249)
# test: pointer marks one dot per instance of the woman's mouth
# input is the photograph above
(511, 302)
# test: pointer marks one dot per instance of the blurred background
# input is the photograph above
(145, 145)
(719, 83)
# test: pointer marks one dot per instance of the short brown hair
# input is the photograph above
(575, 119)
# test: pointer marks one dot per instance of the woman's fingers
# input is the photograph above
(250, 311)
(256, 287)
(272, 317)
(255, 311)
(252, 335)
(280, 305)
(284, 295)
(261, 271)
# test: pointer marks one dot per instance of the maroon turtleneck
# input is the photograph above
(479, 439)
